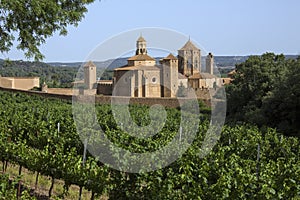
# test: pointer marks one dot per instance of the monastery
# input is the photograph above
(144, 77)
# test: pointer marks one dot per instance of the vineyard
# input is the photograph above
(40, 135)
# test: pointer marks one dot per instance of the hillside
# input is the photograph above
(221, 61)
(53, 76)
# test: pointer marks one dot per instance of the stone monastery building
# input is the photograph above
(144, 77)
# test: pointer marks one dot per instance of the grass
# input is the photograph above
(44, 183)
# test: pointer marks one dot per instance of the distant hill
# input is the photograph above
(53, 71)
(291, 56)
(53, 76)
(229, 61)
(220, 61)
(65, 64)
(109, 64)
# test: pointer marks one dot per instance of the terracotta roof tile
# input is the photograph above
(170, 57)
(141, 57)
(140, 67)
(207, 75)
(202, 76)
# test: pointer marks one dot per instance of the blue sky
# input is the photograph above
(224, 27)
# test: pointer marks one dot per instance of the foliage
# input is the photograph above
(29, 137)
(265, 91)
(53, 76)
(36, 20)
(281, 106)
(8, 189)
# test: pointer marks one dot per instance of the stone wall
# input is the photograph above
(167, 102)
(26, 83)
(6, 83)
(105, 89)
(203, 93)
(64, 91)
(39, 93)
(22, 83)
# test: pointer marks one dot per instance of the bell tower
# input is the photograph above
(170, 76)
(141, 47)
(189, 57)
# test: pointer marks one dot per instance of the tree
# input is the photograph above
(36, 20)
(265, 92)
(254, 79)
(282, 106)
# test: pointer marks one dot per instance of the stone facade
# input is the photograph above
(189, 59)
(169, 76)
(210, 64)
(143, 77)
(90, 75)
(137, 82)
(105, 87)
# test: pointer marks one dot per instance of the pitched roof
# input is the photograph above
(189, 46)
(141, 39)
(170, 57)
(208, 75)
(202, 76)
(141, 57)
(89, 64)
(140, 67)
